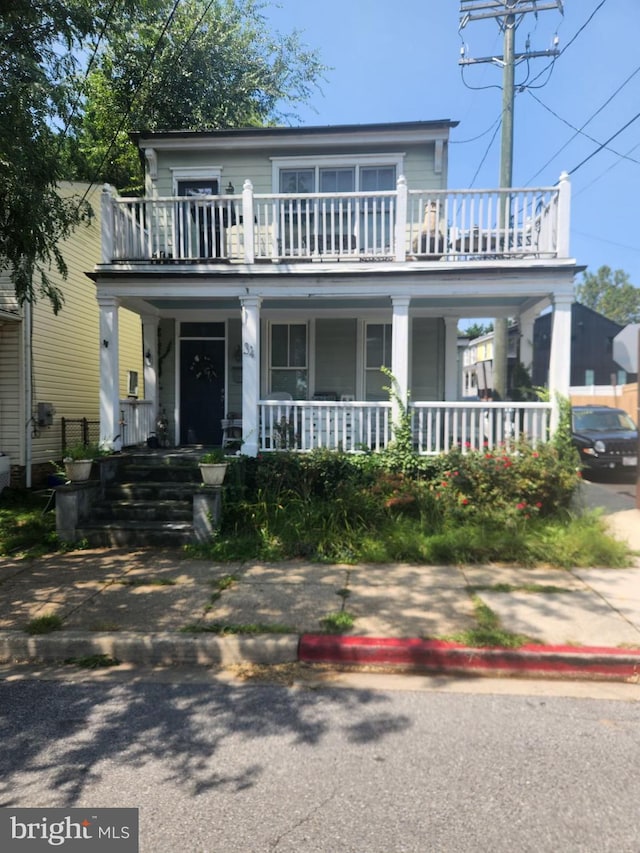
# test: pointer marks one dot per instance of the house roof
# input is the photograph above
(250, 137)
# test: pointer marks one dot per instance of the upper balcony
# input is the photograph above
(399, 225)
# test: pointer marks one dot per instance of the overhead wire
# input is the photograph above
(579, 131)
(143, 76)
(604, 144)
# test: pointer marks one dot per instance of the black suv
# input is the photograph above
(606, 438)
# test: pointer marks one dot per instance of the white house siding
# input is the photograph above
(427, 365)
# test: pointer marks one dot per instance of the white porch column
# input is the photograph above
(560, 356)
(150, 360)
(400, 350)
(250, 373)
(110, 431)
(452, 370)
(525, 322)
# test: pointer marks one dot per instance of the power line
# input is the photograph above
(604, 144)
(580, 129)
(608, 169)
(571, 41)
(143, 76)
(486, 153)
(475, 138)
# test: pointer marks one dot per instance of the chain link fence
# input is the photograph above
(79, 431)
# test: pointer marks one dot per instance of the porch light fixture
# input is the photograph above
(147, 357)
(105, 343)
(230, 189)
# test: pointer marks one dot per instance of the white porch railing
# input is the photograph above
(399, 225)
(437, 426)
(136, 421)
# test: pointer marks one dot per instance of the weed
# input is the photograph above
(144, 581)
(222, 628)
(488, 631)
(44, 624)
(543, 589)
(338, 622)
(96, 661)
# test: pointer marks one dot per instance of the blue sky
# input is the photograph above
(398, 61)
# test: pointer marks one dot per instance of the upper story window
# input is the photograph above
(337, 174)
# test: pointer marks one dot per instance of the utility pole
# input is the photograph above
(507, 13)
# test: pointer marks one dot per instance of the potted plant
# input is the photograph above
(78, 459)
(213, 467)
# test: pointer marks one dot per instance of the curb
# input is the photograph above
(164, 648)
(442, 657)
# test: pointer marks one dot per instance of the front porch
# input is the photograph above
(362, 427)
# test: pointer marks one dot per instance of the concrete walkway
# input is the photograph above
(156, 607)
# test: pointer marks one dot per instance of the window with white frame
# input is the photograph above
(338, 225)
(377, 355)
(132, 383)
(288, 361)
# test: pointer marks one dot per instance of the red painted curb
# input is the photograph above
(440, 656)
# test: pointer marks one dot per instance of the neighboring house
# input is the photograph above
(49, 365)
(276, 270)
(477, 364)
(592, 361)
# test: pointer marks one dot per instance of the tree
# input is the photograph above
(37, 43)
(477, 330)
(610, 293)
(205, 64)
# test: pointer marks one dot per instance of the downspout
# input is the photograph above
(28, 391)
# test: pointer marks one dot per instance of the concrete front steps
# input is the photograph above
(149, 502)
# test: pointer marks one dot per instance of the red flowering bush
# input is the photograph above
(504, 485)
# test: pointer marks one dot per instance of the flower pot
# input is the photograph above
(77, 469)
(213, 473)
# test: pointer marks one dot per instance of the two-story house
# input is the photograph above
(276, 270)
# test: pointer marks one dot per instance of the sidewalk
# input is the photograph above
(135, 607)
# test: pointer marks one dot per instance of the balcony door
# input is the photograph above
(199, 231)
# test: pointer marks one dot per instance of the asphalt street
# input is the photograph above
(255, 768)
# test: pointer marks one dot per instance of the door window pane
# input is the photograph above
(378, 345)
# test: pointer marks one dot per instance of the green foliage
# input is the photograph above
(477, 330)
(39, 43)
(474, 507)
(24, 528)
(216, 65)
(488, 631)
(338, 622)
(82, 450)
(213, 457)
(44, 624)
(610, 293)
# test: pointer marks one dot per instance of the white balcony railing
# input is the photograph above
(399, 225)
(437, 426)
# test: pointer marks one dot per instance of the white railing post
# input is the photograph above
(247, 222)
(106, 212)
(401, 219)
(564, 215)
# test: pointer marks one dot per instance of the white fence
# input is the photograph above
(437, 427)
(137, 421)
